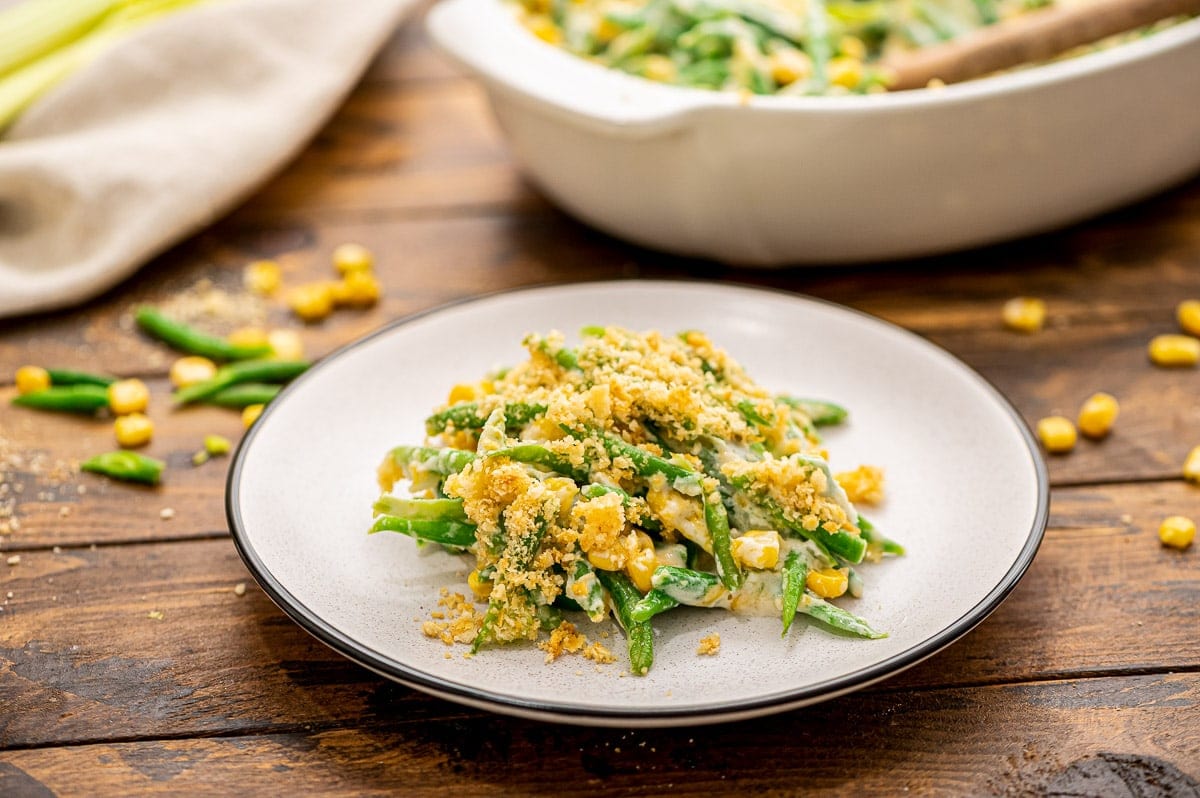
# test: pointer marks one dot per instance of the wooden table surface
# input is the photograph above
(129, 664)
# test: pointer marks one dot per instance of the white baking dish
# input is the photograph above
(778, 180)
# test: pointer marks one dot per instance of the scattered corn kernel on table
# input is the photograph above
(137, 655)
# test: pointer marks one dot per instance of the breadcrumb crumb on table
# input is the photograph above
(597, 652)
(710, 645)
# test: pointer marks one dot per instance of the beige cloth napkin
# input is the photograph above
(165, 132)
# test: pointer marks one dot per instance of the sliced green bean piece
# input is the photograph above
(717, 521)
(645, 464)
(421, 509)
(237, 373)
(874, 537)
(820, 412)
(249, 393)
(84, 398)
(71, 377)
(549, 617)
(584, 588)
(485, 627)
(688, 586)
(427, 458)
(190, 340)
(816, 607)
(651, 604)
(465, 415)
(639, 635)
(535, 454)
(795, 574)
(448, 533)
(126, 466)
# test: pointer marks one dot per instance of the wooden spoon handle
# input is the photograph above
(1028, 38)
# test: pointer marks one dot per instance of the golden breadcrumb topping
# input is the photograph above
(710, 645)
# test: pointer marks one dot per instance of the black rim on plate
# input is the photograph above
(387, 666)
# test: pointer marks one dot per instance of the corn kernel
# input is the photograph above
(828, 582)
(217, 445)
(32, 378)
(462, 392)
(250, 414)
(845, 72)
(606, 30)
(544, 28)
(1024, 314)
(1175, 350)
(758, 548)
(1177, 531)
(1057, 434)
(312, 301)
(479, 586)
(357, 290)
(852, 46)
(1098, 415)
(606, 559)
(1191, 466)
(286, 344)
(349, 258)
(262, 277)
(641, 567)
(789, 65)
(133, 430)
(190, 370)
(248, 336)
(128, 396)
(658, 67)
(200, 458)
(1188, 314)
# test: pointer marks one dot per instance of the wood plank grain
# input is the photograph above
(1006, 740)
(82, 660)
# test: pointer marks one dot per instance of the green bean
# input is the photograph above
(421, 509)
(751, 415)
(190, 340)
(795, 574)
(465, 415)
(688, 586)
(425, 458)
(717, 521)
(651, 604)
(485, 626)
(817, 44)
(237, 373)
(126, 466)
(843, 544)
(448, 533)
(820, 412)
(832, 615)
(638, 634)
(248, 393)
(548, 617)
(535, 454)
(70, 377)
(645, 464)
(873, 537)
(590, 598)
(83, 398)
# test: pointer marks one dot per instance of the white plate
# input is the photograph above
(967, 494)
